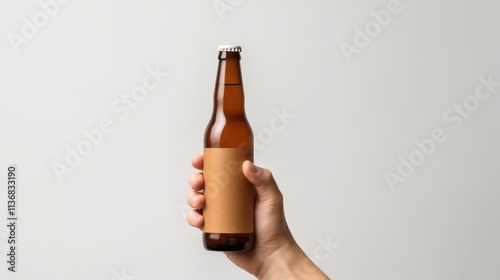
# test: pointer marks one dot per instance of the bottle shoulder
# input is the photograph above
(229, 133)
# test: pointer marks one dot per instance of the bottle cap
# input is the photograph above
(229, 48)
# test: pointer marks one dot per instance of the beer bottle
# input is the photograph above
(229, 196)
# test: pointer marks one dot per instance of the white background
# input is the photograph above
(120, 213)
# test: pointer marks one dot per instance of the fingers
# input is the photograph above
(197, 162)
(195, 219)
(263, 180)
(196, 182)
(196, 200)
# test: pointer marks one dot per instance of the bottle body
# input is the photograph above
(229, 196)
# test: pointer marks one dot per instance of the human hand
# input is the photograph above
(275, 253)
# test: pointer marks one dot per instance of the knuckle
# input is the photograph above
(267, 175)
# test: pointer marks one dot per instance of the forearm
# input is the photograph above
(290, 262)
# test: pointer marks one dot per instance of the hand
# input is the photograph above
(275, 254)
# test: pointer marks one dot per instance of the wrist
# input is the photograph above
(289, 262)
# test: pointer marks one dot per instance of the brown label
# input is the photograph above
(229, 196)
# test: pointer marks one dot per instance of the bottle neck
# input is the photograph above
(229, 97)
(229, 72)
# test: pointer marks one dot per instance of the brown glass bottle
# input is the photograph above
(229, 196)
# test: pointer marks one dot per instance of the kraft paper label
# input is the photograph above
(229, 196)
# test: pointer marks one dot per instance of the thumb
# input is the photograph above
(265, 186)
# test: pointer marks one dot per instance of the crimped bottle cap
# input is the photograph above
(229, 48)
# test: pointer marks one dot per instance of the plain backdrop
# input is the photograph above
(352, 118)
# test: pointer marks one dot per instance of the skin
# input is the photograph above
(276, 255)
